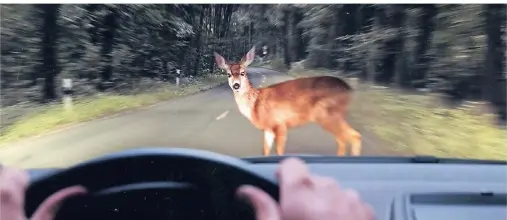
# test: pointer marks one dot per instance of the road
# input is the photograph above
(208, 120)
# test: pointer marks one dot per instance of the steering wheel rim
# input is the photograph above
(43, 186)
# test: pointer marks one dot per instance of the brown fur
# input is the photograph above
(279, 107)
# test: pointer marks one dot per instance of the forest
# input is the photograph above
(455, 50)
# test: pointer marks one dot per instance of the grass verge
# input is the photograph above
(52, 117)
(418, 124)
(276, 65)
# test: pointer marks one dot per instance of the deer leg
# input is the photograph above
(342, 146)
(269, 138)
(280, 139)
(355, 141)
(335, 125)
(356, 145)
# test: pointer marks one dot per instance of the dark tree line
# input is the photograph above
(458, 50)
(455, 49)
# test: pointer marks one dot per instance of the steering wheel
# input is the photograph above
(183, 173)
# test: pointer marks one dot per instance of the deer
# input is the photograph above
(276, 108)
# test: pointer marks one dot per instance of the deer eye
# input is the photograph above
(242, 73)
(229, 75)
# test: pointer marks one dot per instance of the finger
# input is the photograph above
(362, 211)
(49, 207)
(13, 183)
(357, 206)
(323, 182)
(351, 195)
(292, 171)
(15, 176)
(368, 212)
(264, 206)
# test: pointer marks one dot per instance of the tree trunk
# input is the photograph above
(198, 42)
(286, 33)
(494, 78)
(110, 26)
(402, 73)
(49, 57)
(423, 41)
(299, 43)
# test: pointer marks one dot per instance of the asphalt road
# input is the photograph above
(208, 120)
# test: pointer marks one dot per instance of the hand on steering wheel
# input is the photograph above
(306, 197)
(13, 183)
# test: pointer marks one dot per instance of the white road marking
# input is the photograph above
(222, 116)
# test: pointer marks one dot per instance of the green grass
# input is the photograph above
(418, 124)
(52, 117)
(277, 65)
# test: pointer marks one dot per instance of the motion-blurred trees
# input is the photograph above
(454, 49)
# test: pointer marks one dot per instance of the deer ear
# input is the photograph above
(221, 63)
(248, 58)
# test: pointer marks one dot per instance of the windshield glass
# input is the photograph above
(81, 81)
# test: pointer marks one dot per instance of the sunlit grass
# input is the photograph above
(418, 124)
(52, 117)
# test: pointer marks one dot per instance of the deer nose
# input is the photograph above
(235, 86)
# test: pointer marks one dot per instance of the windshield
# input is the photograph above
(81, 81)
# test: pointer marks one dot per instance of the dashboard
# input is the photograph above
(409, 188)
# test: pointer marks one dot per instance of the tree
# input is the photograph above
(49, 32)
(494, 74)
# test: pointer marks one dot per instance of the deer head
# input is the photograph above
(237, 76)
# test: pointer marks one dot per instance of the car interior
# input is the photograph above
(177, 183)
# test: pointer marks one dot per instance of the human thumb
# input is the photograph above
(264, 206)
(47, 210)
